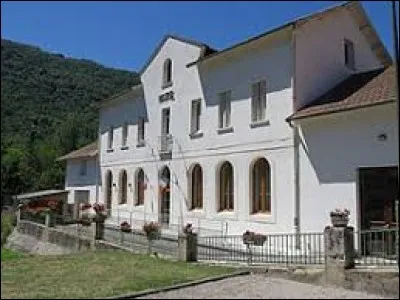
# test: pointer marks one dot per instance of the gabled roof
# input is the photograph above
(355, 9)
(90, 150)
(39, 194)
(359, 90)
(205, 49)
(131, 91)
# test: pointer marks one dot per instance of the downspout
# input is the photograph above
(296, 140)
(97, 161)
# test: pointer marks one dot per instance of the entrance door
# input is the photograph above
(165, 195)
(378, 192)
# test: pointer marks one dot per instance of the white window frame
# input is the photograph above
(224, 110)
(110, 137)
(125, 129)
(140, 132)
(258, 101)
(195, 116)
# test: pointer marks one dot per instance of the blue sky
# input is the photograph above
(123, 34)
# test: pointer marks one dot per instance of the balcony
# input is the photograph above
(165, 144)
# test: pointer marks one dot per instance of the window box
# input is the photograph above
(259, 124)
(110, 150)
(225, 130)
(195, 135)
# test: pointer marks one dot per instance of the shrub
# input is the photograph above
(152, 230)
(7, 224)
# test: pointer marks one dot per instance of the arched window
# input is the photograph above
(196, 187)
(261, 187)
(140, 187)
(167, 73)
(123, 187)
(226, 187)
(108, 191)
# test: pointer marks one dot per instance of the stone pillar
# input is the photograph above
(187, 247)
(339, 251)
(18, 217)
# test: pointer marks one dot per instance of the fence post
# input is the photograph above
(18, 217)
(397, 229)
(339, 253)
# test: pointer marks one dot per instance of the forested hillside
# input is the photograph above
(48, 108)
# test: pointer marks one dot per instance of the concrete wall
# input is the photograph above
(333, 148)
(320, 55)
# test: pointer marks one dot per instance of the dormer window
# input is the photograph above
(167, 73)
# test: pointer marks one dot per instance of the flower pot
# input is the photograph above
(339, 220)
(126, 229)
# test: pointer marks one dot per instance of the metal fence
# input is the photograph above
(377, 247)
(137, 219)
(138, 242)
(289, 249)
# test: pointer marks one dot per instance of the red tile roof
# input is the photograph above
(359, 90)
(90, 150)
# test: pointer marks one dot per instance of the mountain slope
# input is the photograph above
(48, 108)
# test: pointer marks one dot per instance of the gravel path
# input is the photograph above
(259, 287)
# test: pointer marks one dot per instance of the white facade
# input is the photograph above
(82, 179)
(333, 148)
(297, 65)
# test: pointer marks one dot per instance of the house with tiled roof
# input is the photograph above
(268, 135)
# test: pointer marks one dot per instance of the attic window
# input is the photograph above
(349, 56)
(167, 73)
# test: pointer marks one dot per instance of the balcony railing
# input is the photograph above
(165, 143)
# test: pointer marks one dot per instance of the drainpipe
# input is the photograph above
(296, 219)
(296, 140)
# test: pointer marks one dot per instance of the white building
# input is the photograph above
(268, 135)
(82, 175)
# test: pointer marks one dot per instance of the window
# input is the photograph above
(225, 109)
(195, 116)
(140, 187)
(167, 73)
(196, 182)
(108, 193)
(83, 168)
(165, 121)
(110, 137)
(123, 187)
(261, 187)
(258, 101)
(124, 134)
(349, 56)
(140, 136)
(226, 187)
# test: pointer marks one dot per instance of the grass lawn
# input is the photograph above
(94, 274)
(7, 255)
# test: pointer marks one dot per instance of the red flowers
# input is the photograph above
(85, 206)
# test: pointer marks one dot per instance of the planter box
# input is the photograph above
(256, 240)
(126, 229)
(339, 220)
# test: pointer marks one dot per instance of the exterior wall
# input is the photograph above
(320, 55)
(332, 148)
(270, 59)
(74, 181)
